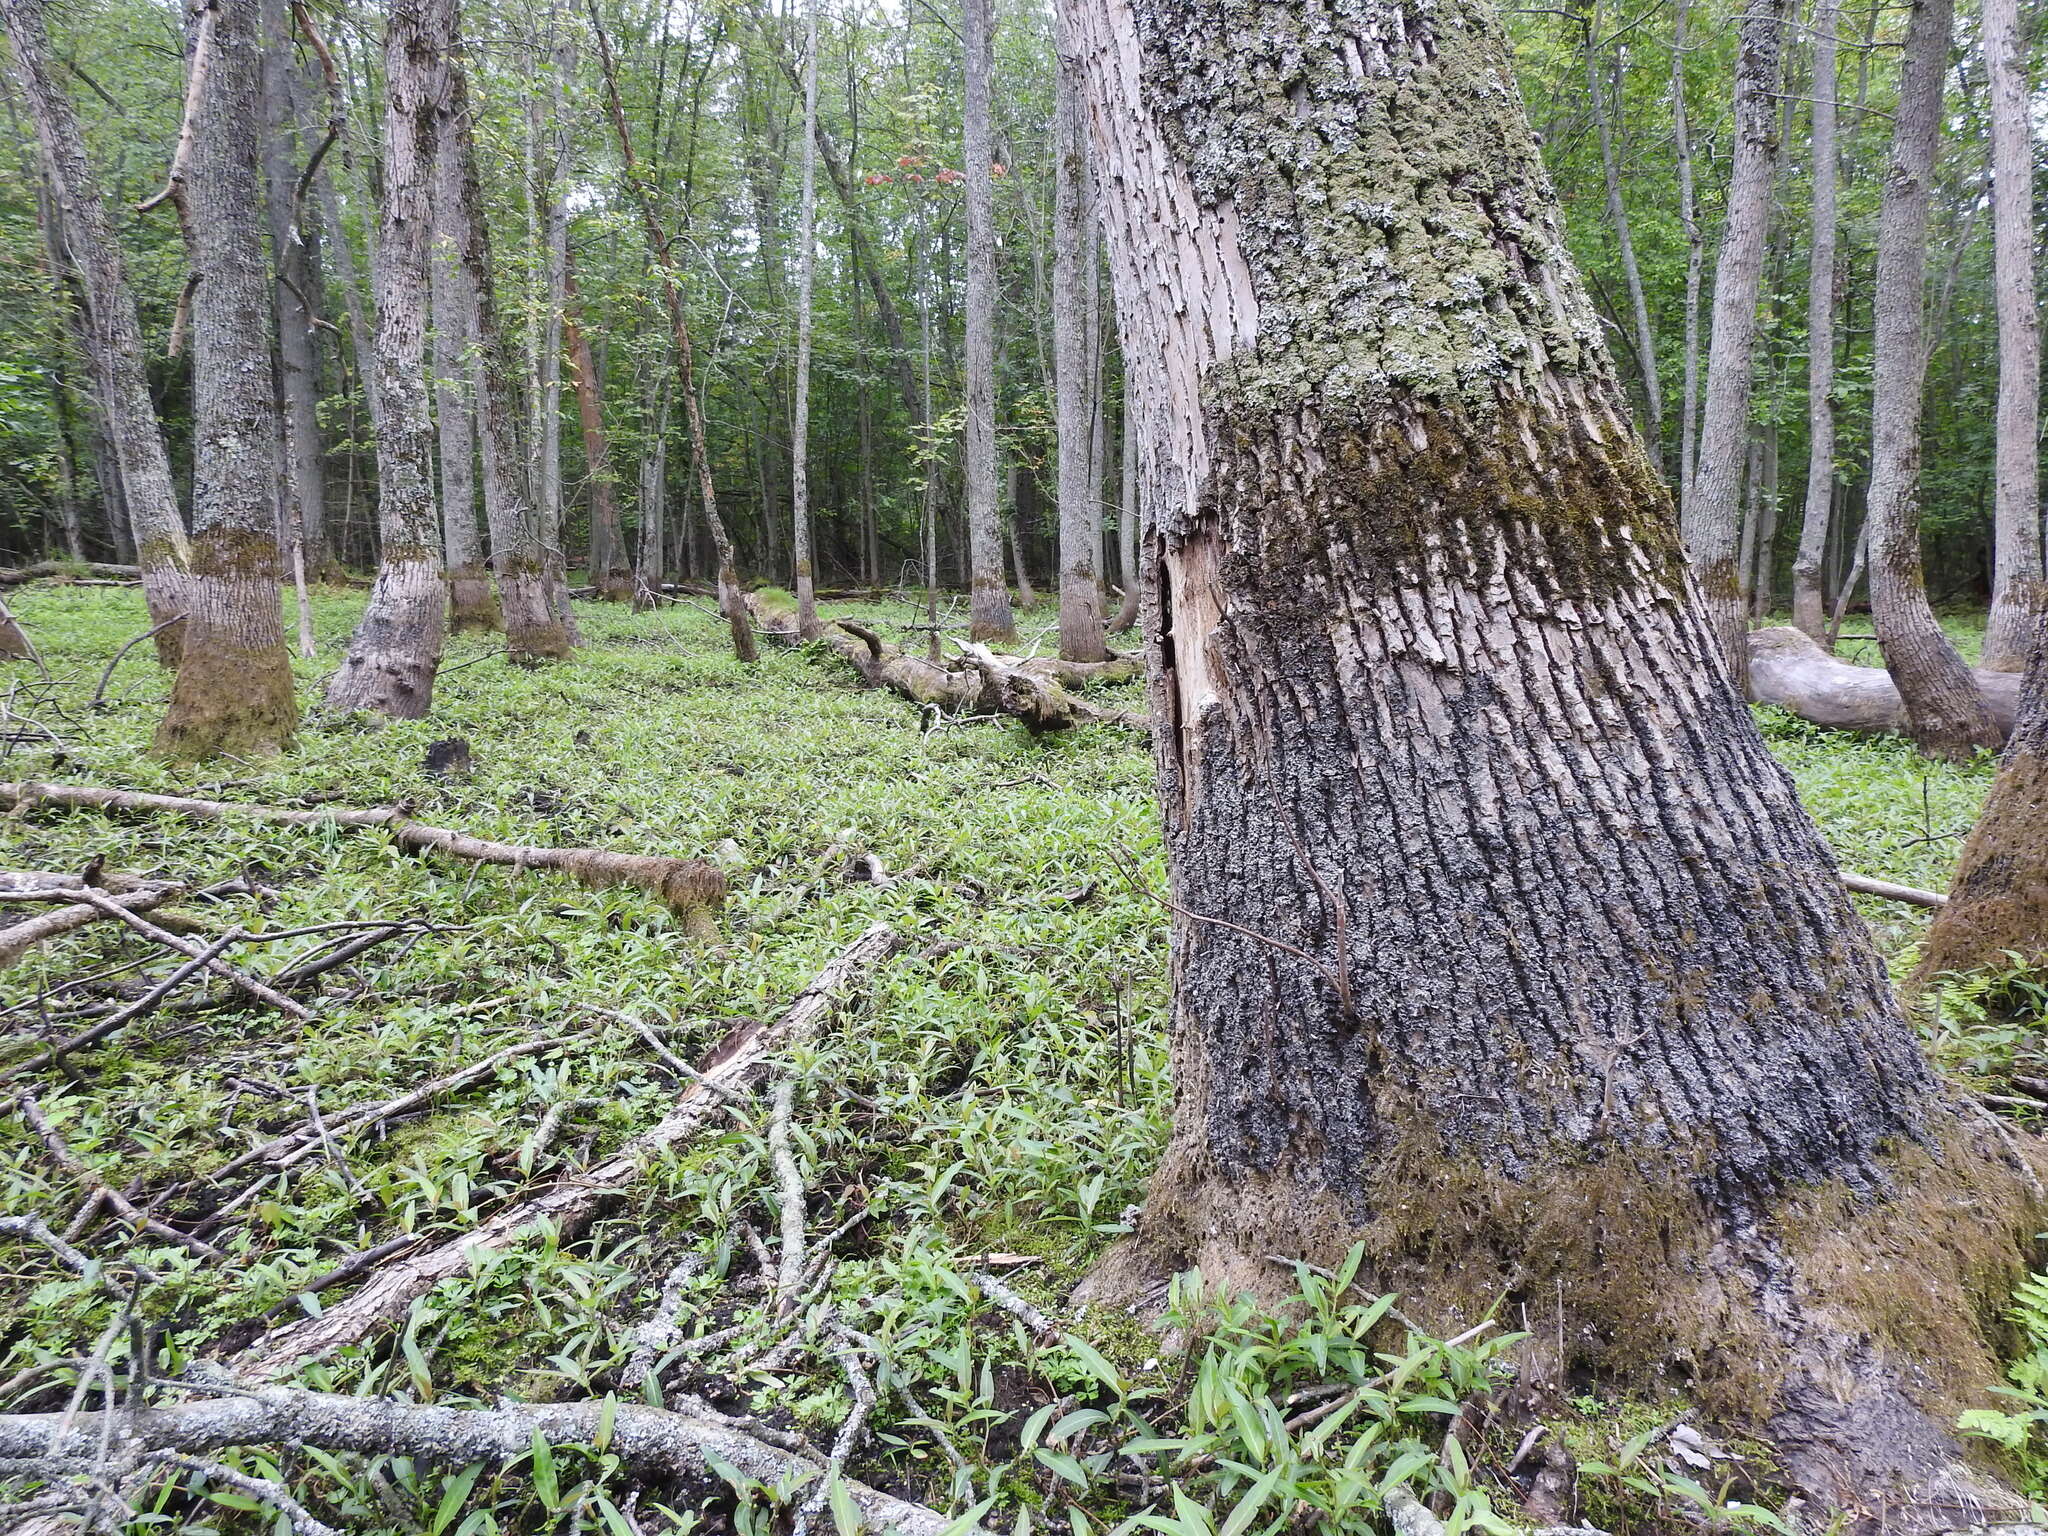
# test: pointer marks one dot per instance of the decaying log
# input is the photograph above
(19, 938)
(649, 1442)
(64, 570)
(1030, 690)
(1788, 669)
(694, 888)
(736, 1064)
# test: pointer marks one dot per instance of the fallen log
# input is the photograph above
(736, 1064)
(652, 1443)
(68, 570)
(693, 888)
(19, 938)
(1787, 669)
(1910, 895)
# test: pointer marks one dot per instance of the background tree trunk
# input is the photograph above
(1809, 598)
(233, 694)
(1695, 260)
(1713, 523)
(609, 572)
(989, 615)
(534, 631)
(1624, 241)
(2019, 595)
(1128, 521)
(1502, 945)
(1943, 710)
(807, 261)
(1998, 903)
(471, 604)
(396, 649)
(119, 369)
(1080, 511)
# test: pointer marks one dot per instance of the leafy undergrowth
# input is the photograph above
(993, 1106)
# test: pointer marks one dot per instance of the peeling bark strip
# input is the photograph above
(652, 1443)
(739, 1063)
(691, 887)
(396, 649)
(1504, 946)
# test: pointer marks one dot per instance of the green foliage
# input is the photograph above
(2022, 1430)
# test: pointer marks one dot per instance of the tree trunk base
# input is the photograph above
(471, 606)
(233, 694)
(1844, 1327)
(1788, 669)
(396, 650)
(533, 634)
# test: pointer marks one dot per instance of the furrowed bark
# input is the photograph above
(650, 1443)
(1502, 945)
(120, 371)
(1944, 713)
(691, 887)
(1713, 520)
(738, 1064)
(396, 649)
(2019, 595)
(233, 694)
(1809, 600)
(1081, 632)
(1997, 912)
(458, 368)
(989, 616)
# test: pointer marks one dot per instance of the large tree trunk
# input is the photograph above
(1998, 904)
(806, 277)
(2019, 596)
(233, 694)
(296, 293)
(1713, 512)
(1502, 945)
(1081, 637)
(457, 370)
(989, 616)
(1809, 598)
(396, 649)
(119, 370)
(1944, 713)
(609, 572)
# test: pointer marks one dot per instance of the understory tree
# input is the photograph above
(1502, 945)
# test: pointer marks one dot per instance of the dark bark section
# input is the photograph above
(233, 694)
(1998, 904)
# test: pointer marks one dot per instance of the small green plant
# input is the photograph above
(2022, 1429)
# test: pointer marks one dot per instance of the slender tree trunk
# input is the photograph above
(609, 573)
(396, 649)
(1624, 240)
(807, 260)
(328, 555)
(1944, 710)
(1502, 946)
(731, 600)
(548, 381)
(1713, 521)
(989, 598)
(1081, 636)
(648, 566)
(534, 631)
(1695, 262)
(297, 287)
(1998, 903)
(233, 694)
(471, 604)
(1809, 600)
(163, 552)
(1128, 519)
(1020, 489)
(2019, 595)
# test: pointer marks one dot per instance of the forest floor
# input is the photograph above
(968, 1138)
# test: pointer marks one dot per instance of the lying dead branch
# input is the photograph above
(62, 1155)
(135, 1010)
(249, 984)
(65, 570)
(1912, 897)
(17, 940)
(651, 1443)
(1789, 670)
(694, 888)
(739, 1061)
